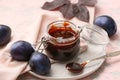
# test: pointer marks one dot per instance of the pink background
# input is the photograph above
(22, 12)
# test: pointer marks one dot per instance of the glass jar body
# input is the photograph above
(64, 41)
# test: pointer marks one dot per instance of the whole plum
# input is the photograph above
(40, 63)
(5, 34)
(107, 23)
(21, 50)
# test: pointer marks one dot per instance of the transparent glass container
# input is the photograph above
(63, 40)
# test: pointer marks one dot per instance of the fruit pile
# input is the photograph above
(23, 51)
(39, 62)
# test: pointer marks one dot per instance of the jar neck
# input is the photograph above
(62, 32)
(62, 42)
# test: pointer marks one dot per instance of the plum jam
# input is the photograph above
(63, 43)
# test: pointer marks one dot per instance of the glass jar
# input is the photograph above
(63, 40)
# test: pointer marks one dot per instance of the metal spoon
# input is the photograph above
(78, 67)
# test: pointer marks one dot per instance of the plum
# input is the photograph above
(107, 23)
(5, 34)
(40, 63)
(21, 50)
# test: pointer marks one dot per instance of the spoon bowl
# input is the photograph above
(75, 67)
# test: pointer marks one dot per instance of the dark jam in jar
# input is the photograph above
(64, 42)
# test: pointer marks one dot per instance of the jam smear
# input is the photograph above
(62, 32)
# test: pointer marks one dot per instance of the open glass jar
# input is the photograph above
(62, 41)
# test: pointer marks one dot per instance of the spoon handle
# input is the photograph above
(116, 53)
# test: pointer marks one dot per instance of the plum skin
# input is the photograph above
(40, 63)
(107, 23)
(5, 34)
(21, 50)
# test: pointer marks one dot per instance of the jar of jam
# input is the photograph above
(63, 41)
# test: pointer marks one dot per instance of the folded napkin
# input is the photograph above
(26, 28)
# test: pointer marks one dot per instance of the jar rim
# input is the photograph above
(64, 40)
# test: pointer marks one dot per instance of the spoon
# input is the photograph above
(78, 67)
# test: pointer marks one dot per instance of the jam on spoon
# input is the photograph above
(78, 67)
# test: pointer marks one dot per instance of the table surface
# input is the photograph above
(110, 68)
